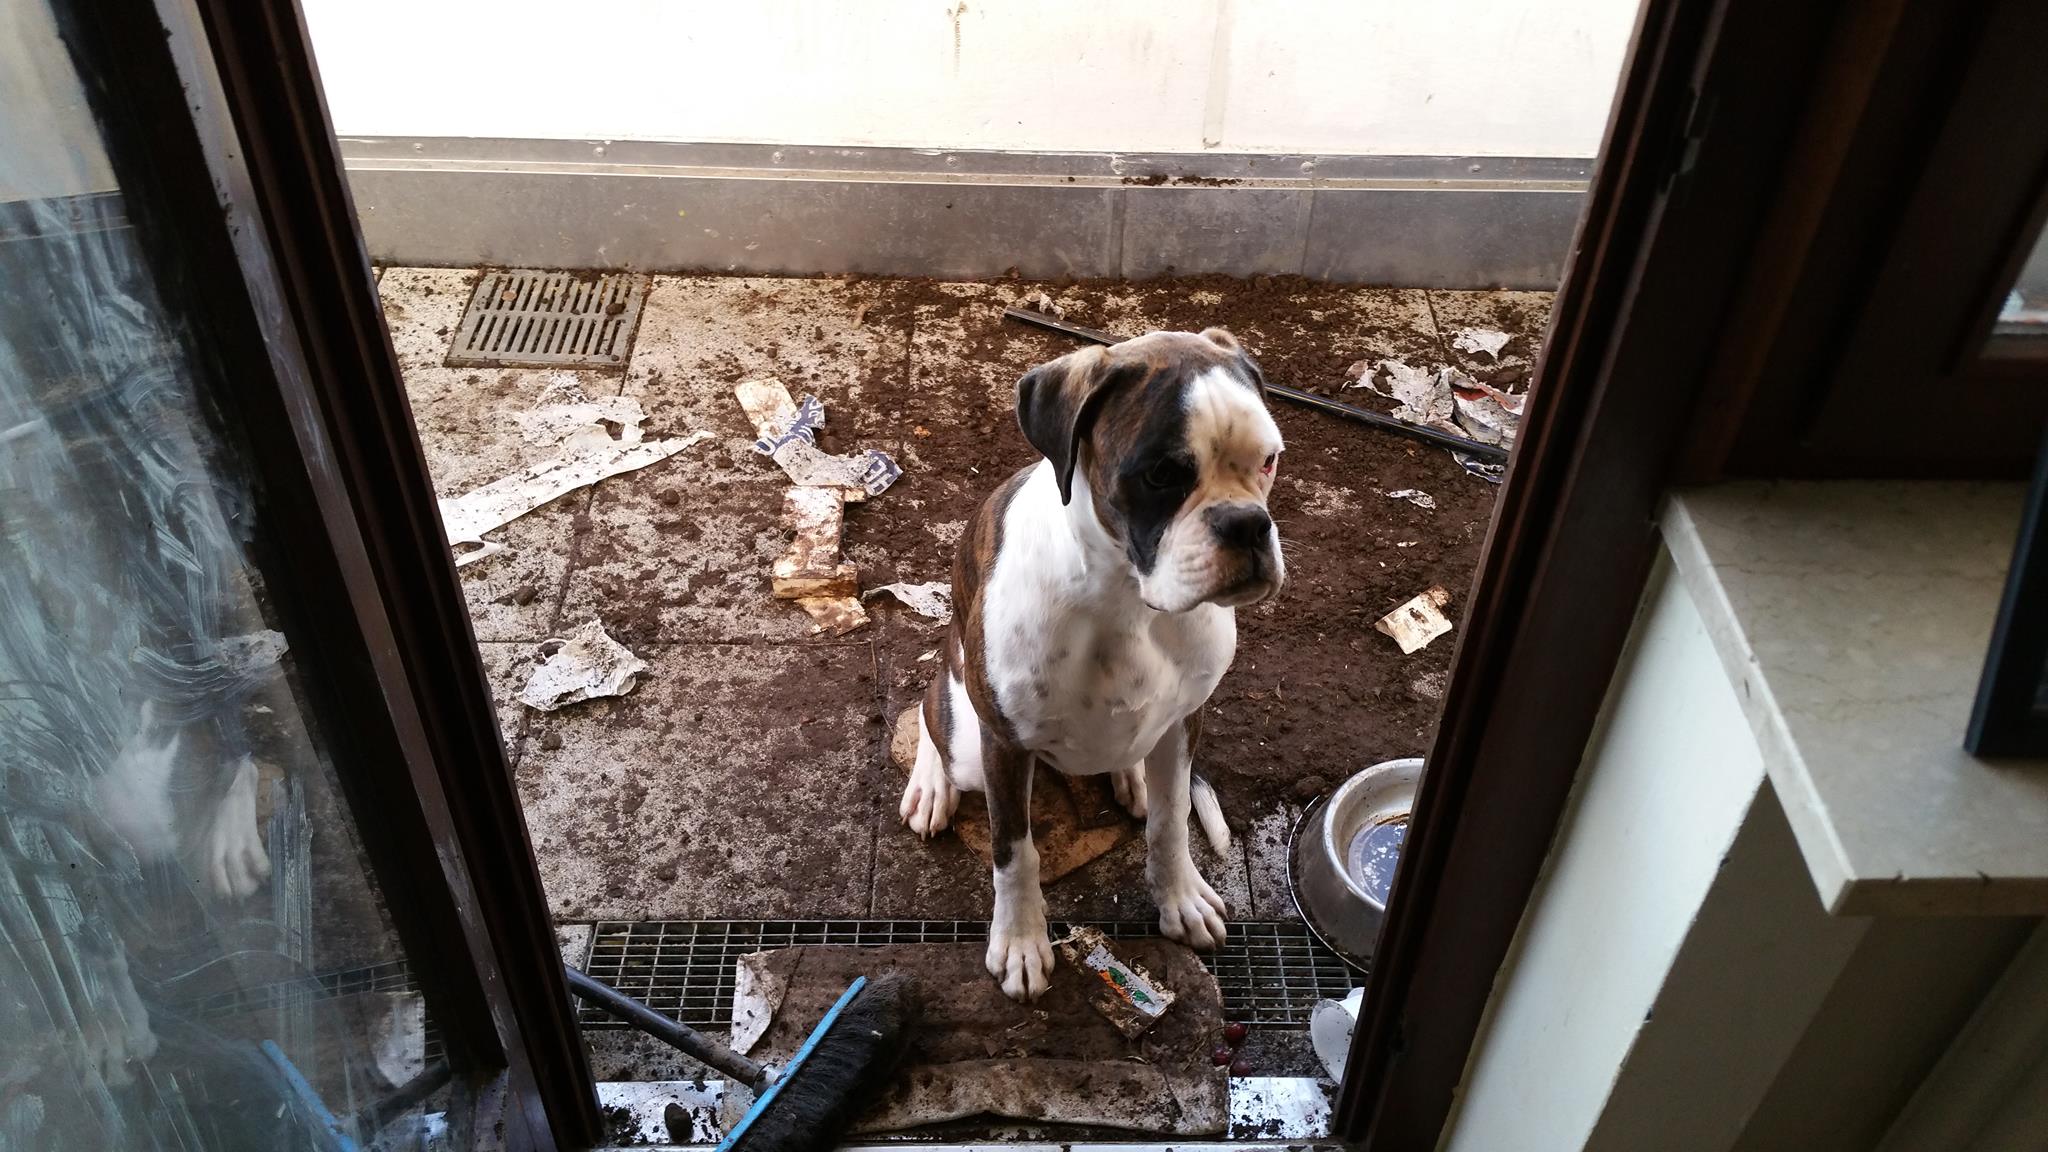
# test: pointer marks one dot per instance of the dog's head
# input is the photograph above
(1170, 435)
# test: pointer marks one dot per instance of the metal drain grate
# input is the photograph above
(1269, 973)
(527, 318)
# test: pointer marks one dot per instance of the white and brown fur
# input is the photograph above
(1094, 613)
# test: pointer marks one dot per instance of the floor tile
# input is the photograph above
(700, 335)
(512, 595)
(733, 782)
(422, 309)
(667, 559)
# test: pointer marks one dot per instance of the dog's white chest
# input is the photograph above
(1088, 676)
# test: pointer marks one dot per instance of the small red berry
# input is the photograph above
(1220, 1056)
(1240, 1067)
(1234, 1034)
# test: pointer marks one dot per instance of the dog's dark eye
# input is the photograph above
(1272, 458)
(1166, 472)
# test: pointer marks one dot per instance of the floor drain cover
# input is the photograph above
(1270, 973)
(527, 318)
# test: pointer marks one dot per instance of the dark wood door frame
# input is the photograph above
(1699, 149)
(1925, 179)
(219, 138)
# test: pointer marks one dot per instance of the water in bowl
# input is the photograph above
(1374, 852)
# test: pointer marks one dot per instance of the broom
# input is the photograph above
(810, 1102)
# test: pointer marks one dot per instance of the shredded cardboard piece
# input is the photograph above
(811, 566)
(1476, 340)
(767, 403)
(933, 599)
(1125, 994)
(1415, 496)
(467, 517)
(584, 665)
(834, 615)
(1415, 623)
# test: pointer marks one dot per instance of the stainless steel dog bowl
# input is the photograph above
(1343, 856)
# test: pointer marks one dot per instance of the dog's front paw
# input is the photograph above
(1190, 911)
(236, 864)
(1020, 958)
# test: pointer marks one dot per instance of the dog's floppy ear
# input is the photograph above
(1223, 338)
(1056, 402)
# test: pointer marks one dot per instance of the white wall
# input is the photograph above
(1404, 77)
(49, 145)
(1668, 778)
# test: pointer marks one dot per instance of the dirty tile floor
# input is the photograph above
(748, 776)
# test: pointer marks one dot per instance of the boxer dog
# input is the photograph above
(1095, 598)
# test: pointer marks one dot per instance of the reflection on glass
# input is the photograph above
(193, 954)
(2025, 311)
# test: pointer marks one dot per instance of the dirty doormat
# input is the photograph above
(977, 1052)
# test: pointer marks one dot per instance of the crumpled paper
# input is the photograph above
(1476, 340)
(1453, 401)
(584, 665)
(933, 599)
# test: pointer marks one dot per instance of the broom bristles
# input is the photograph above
(855, 1058)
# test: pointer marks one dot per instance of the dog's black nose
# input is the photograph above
(1239, 525)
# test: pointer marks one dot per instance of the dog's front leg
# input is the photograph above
(1189, 909)
(1019, 952)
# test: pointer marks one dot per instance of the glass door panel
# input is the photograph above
(194, 951)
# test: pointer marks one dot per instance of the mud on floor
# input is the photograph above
(748, 776)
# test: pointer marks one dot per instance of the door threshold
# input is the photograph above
(1264, 1110)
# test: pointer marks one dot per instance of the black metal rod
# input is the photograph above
(670, 1032)
(1490, 453)
(1093, 335)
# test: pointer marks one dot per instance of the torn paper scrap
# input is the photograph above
(551, 423)
(1417, 622)
(1487, 340)
(871, 471)
(834, 615)
(467, 517)
(1424, 396)
(933, 599)
(586, 664)
(1415, 496)
(787, 432)
(1485, 413)
(757, 992)
(1125, 994)
(468, 552)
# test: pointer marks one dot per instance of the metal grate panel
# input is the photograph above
(528, 318)
(1269, 973)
